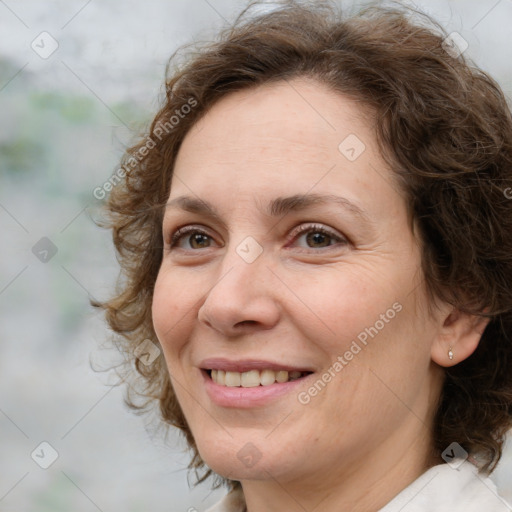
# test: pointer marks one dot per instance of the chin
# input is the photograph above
(247, 457)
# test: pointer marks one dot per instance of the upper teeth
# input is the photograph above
(253, 378)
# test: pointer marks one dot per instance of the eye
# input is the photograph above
(317, 237)
(195, 237)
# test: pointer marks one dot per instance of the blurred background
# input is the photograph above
(78, 80)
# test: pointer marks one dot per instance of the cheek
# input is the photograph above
(339, 305)
(173, 310)
(370, 320)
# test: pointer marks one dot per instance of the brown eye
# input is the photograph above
(198, 240)
(318, 237)
(195, 238)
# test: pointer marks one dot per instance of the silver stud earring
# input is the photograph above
(450, 354)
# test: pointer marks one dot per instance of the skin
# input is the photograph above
(367, 434)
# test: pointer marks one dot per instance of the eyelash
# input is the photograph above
(315, 228)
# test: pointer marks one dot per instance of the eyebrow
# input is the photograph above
(278, 207)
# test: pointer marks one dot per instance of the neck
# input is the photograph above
(362, 486)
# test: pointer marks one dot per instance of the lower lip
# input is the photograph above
(244, 398)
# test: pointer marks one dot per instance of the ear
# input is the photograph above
(459, 336)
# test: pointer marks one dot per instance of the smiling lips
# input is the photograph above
(253, 378)
(250, 383)
(250, 373)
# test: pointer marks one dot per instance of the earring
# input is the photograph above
(450, 354)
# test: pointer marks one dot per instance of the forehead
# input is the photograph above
(280, 139)
(302, 114)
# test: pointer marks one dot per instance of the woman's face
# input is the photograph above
(299, 258)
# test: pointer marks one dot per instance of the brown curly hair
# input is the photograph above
(442, 124)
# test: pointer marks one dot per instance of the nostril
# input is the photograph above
(247, 322)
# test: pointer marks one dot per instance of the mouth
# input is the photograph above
(251, 383)
(254, 378)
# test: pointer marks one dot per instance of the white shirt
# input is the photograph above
(440, 489)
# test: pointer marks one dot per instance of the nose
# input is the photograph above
(243, 298)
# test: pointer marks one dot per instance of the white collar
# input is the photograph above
(440, 489)
(443, 488)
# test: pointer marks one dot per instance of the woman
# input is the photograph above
(339, 337)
